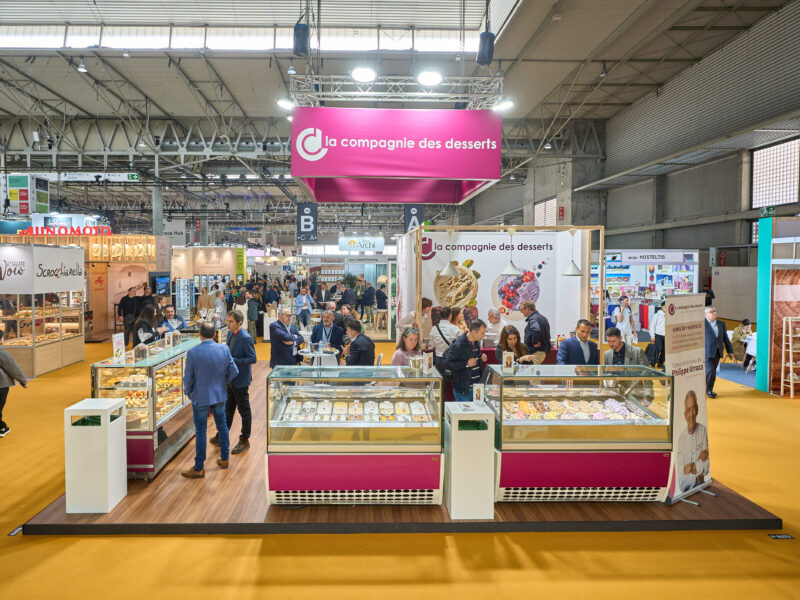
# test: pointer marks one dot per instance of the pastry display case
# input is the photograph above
(43, 332)
(567, 433)
(354, 435)
(159, 415)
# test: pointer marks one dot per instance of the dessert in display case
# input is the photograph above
(159, 415)
(573, 433)
(354, 435)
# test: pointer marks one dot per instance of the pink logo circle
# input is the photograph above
(671, 309)
(427, 249)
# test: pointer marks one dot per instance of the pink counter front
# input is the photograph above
(354, 478)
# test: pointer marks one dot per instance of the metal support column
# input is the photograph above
(203, 240)
(158, 210)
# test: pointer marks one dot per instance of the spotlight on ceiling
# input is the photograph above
(302, 40)
(485, 49)
(548, 146)
(286, 103)
(126, 54)
(291, 70)
(82, 67)
(429, 78)
(363, 74)
(503, 104)
(290, 118)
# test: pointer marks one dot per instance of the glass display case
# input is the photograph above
(43, 332)
(581, 432)
(159, 415)
(354, 435)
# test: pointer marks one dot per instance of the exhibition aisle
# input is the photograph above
(755, 444)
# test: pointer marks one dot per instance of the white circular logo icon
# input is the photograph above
(309, 144)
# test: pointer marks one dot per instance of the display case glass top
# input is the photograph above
(158, 353)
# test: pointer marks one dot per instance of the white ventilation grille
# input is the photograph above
(580, 494)
(356, 497)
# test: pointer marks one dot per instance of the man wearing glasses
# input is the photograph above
(717, 345)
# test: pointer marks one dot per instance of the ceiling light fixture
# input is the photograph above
(511, 269)
(605, 70)
(363, 74)
(126, 54)
(291, 70)
(429, 78)
(82, 67)
(449, 270)
(573, 270)
(503, 104)
(286, 103)
(486, 42)
(290, 118)
(548, 146)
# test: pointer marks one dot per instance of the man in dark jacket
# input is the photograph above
(271, 296)
(368, 302)
(717, 344)
(323, 296)
(128, 309)
(348, 297)
(537, 332)
(327, 332)
(338, 318)
(361, 351)
(243, 351)
(381, 297)
(284, 340)
(464, 360)
(252, 314)
(579, 350)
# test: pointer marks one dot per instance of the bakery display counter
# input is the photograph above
(569, 433)
(159, 415)
(354, 435)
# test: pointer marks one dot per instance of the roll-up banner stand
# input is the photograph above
(684, 318)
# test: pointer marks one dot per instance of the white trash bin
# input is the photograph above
(469, 460)
(96, 465)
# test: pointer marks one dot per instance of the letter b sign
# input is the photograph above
(307, 222)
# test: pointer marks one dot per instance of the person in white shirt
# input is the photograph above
(493, 328)
(410, 320)
(444, 332)
(623, 320)
(657, 332)
(693, 464)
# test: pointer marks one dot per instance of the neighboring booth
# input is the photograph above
(646, 277)
(778, 294)
(204, 265)
(736, 292)
(553, 263)
(41, 302)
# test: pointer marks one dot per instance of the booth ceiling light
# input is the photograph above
(511, 269)
(363, 74)
(82, 67)
(503, 104)
(286, 104)
(573, 270)
(429, 78)
(449, 271)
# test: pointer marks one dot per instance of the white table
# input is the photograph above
(750, 350)
(322, 359)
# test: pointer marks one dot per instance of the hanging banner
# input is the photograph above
(414, 216)
(175, 230)
(307, 222)
(361, 244)
(685, 350)
(241, 262)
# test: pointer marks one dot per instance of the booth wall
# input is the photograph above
(735, 291)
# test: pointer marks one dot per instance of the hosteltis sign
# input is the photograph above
(439, 156)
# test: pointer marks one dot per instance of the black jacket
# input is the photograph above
(362, 352)
(322, 297)
(455, 360)
(348, 297)
(128, 306)
(338, 320)
(537, 333)
(145, 328)
(368, 297)
(380, 299)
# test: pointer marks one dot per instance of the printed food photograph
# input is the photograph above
(510, 291)
(460, 290)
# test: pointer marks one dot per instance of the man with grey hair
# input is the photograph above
(284, 340)
(327, 333)
(717, 344)
(338, 318)
(494, 328)
(220, 309)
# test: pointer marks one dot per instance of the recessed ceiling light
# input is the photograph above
(503, 104)
(429, 78)
(363, 74)
(286, 103)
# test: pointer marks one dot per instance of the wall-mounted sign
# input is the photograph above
(27, 193)
(175, 230)
(39, 269)
(63, 230)
(241, 262)
(307, 222)
(361, 244)
(414, 215)
(660, 257)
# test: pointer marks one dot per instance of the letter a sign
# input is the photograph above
(307, 222)
(414, 216)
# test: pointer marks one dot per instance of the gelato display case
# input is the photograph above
(581, 433)
(159, 414)
(354, 435)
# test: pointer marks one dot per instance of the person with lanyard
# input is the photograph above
(171, 321)
(465, 361)
(243, 351)
(328, 333)
(303, 305)
(284, 340)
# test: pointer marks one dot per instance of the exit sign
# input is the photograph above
(767, 211)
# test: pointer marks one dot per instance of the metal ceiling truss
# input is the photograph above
(473, 92)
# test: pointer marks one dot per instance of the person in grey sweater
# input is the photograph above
(10, 373)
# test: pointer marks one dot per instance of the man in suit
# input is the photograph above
(717, 345)
(303, 305)
(243, 351)
(338, 318)
(621, 353)
(537, 332)
(368, 302)
(209, 369)
(348, 297)
(361, 351)
(272, 296)
(284, 340)
(579, 350)
(327, 332)
(323, 295)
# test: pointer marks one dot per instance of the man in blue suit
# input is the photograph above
(284, 340)
(717, 344)
(243, 351)
(579, 350)
(328, 333)
(209, 368)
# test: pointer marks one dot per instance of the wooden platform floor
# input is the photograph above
(234, 501)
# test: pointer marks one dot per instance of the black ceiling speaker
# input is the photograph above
(302, 40)
(485, 49)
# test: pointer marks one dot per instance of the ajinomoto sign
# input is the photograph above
(64, 230)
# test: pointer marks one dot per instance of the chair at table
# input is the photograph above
(379, 360)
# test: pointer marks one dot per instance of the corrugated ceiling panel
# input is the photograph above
(756, 77)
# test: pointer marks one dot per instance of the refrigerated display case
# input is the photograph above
(184, 297)
(159, 415)
(43, 332)
(354, 435)
(573, 433)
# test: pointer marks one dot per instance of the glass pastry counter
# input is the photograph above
(581, 432)
(159, 415)
(354, 435)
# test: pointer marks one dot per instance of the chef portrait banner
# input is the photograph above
(684, 318)
(480, 257)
